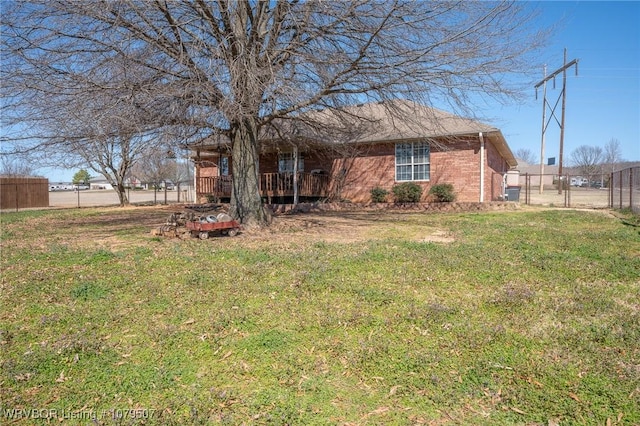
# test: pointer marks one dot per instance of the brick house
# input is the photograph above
(375, 149)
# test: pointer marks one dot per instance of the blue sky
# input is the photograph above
(603, 101)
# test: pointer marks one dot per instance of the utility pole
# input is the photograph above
(544, 128)
(563, 94)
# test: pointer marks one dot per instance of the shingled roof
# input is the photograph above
(376, 122)
(402, 120)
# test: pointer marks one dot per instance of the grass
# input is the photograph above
(527, 317)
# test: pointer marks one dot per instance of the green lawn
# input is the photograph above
(524, 317)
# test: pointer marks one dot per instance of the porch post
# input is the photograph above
(295, 175)
(196, 176)
(481, 137)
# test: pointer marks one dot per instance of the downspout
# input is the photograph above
(481, 167)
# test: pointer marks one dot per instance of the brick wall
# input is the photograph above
(458, 164)
(495, 168)
(355, 176)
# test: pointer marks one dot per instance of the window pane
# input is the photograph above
(285, 162)
(403, 153)
(421, 172)
(282, 164)
(224, 166)
(420, 153)
(403, 172)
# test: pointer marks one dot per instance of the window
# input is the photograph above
(285, 162)
(224, 166)
(412, 161)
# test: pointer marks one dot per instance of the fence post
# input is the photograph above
(611, 190)
(631, 188)
(620, 183)
(17, 199)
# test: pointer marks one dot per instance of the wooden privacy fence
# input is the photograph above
(23, 192)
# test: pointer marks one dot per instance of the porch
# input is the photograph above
(272, 185)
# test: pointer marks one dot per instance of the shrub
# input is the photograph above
(379, 195)
(443, 192)
(407, 192)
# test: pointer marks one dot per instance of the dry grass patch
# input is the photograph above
(525, 317)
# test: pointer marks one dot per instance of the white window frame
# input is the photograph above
(412, 162)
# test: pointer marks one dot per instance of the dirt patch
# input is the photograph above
(347, 227)
(439, 237)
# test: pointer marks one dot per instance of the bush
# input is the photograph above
(443, 193)
(379, 195)
(407, 192)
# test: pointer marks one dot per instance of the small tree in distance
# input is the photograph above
(612, 154)
(82, 177)
(588, 159)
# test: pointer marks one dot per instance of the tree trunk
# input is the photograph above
(122, 194)
(246, 201)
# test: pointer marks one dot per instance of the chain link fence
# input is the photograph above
(565, 191)
(625, 189)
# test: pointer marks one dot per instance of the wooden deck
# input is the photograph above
(272, 185)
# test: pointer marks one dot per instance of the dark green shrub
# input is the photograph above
(379, 195)
(407, 192)
(443, 192)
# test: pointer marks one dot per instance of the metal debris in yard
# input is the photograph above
(204, 221)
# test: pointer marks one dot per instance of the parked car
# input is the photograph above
(578, 181)
(170, 186)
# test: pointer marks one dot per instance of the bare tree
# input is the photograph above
(101, 118)
(612, 154)
(234, 68)
(526, 155)
(155, 167)
(612, 157)
(14, 166)
(588, 159)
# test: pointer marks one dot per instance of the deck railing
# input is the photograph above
(271, 185)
